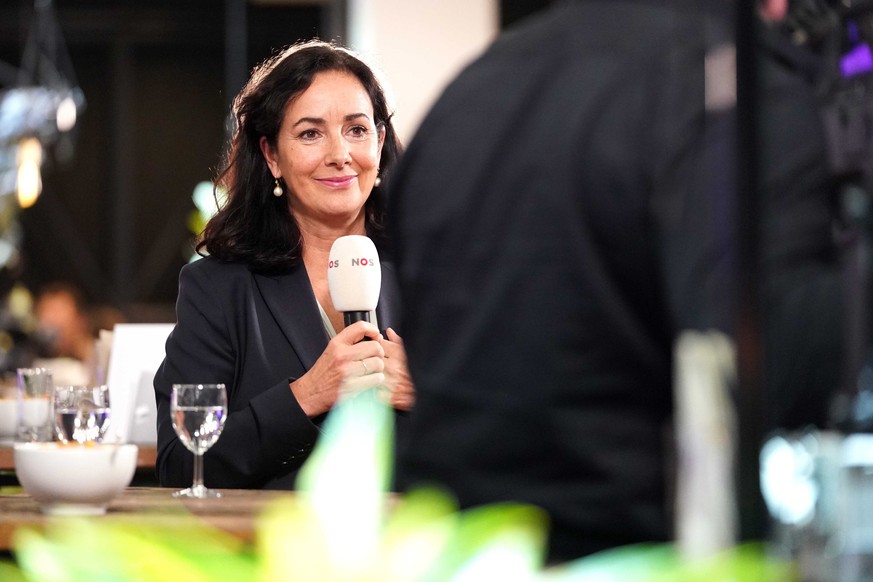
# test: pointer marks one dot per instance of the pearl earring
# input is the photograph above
(378, 182)
(278, 191)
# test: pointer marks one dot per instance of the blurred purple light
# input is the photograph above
(856, 61)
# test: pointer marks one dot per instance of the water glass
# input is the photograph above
(819, 489)
(198, 413)
(82, 413)
(35, 405)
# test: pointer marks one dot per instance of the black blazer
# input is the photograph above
(254, 333)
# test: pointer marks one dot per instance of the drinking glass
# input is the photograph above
(198, 412)
(35, 400)
(82, 413)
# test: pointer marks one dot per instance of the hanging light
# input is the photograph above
(44, 103)
(66, 114)
(29, 160)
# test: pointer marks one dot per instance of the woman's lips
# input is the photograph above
(338, 182)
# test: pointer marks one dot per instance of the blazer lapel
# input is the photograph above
(388, 308)
(290, 299)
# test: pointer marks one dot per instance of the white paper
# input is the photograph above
(137, 352)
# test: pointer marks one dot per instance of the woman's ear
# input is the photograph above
(270, 156)
(382, 131)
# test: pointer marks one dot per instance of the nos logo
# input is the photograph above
(358, 262)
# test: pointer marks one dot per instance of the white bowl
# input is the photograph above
(73, 479)
(8, 417)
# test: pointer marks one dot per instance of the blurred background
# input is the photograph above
(145, 87)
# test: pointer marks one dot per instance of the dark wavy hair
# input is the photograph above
(252, 226)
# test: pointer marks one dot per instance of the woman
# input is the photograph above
(313, 133)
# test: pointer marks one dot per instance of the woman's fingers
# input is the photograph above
(375, 364)
(359, 331)
(354, 384)
(392, 335)
(393, 346)
(365, 366)
(403, 400)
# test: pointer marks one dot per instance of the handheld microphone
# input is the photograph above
(354, 277)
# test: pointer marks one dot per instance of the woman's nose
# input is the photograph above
(338, 152)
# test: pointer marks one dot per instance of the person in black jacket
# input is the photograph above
(563, 213)
(313, 134)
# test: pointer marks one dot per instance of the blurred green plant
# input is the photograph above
(342, 526)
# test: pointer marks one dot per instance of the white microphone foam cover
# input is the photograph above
(354, 276)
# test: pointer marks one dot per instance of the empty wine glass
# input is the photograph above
(198, 412)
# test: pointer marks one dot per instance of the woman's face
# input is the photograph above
(327, 150)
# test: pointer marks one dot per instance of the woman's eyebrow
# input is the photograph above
(312, 120)
(320, 121)
(354, 116)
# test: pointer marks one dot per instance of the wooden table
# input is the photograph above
(235, 512)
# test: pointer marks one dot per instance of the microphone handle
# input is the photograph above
(350, 317)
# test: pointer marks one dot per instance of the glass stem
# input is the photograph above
(197, 486)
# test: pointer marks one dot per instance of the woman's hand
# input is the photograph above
(397, 378)
(347, 363)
